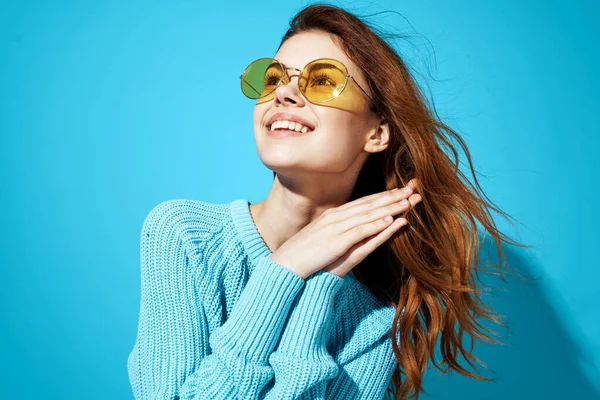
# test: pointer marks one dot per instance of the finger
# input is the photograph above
(360, 232)
(368, 245)
(364, 215)
(379, 199)
(362, 200)
(414, 199)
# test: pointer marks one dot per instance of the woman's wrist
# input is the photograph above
(287, 263)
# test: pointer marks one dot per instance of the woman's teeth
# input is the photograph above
(292, 126)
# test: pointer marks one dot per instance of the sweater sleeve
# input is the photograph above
(303, 367)
(171, 358)
(366, 376)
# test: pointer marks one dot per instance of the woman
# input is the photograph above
(313, 293)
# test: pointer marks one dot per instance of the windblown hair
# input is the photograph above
(430, 262)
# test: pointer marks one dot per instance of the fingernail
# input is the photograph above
(394, 189)
(407, 189)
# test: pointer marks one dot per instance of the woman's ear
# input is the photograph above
(378, 137)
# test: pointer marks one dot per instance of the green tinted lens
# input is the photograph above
(323, 80)
(261, 77)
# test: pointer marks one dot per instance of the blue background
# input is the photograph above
(108, 108)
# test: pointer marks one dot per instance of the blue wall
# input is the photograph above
(108, 108)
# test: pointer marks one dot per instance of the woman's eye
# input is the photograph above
(321, 80)
(271, 79)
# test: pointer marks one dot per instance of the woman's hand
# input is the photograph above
(341, 237)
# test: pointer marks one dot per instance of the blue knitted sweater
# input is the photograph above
(220, 320)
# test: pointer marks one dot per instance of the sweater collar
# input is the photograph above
(253, 243)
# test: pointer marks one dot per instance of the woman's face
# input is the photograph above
(341, 138)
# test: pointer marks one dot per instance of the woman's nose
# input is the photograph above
(289, 92)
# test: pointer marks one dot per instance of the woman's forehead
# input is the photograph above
(305, 47)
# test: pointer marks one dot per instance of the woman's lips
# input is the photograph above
(285, 133)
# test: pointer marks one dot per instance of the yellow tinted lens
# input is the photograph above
(261, 77)
(322, 80)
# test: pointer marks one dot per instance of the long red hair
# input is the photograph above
(431, 262)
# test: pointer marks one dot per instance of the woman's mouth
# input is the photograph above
(285, 131)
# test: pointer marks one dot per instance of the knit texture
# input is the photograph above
(220, 320)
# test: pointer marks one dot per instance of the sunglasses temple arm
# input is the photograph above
(360, 87)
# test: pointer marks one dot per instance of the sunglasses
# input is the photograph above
(320, 81)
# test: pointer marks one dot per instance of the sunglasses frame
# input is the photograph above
(300, 71)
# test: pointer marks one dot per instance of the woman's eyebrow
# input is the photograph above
(319, 66)
(326, 66)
